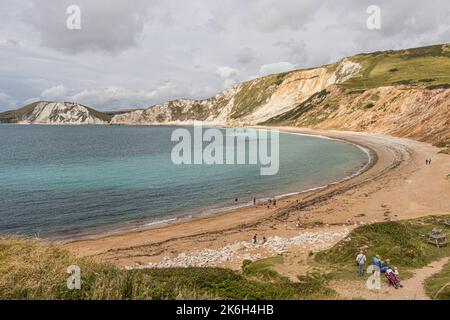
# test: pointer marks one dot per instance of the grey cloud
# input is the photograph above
(295, 50)
(266, 15)
(129, 50)
(245, 56)
(108, 25)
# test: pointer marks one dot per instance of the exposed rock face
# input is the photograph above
(413, 112)
(250, 102)
(60, 113)
(404, 93)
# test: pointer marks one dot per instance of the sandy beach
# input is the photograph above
(398, 185)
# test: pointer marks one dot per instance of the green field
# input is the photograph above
(425, 67)
(438, 285)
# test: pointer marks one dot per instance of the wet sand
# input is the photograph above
(398, 185)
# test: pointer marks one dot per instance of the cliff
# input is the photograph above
(404, 93)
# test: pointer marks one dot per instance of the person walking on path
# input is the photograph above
(361, 262)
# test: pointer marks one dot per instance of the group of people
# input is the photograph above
(269, 202)
(391, 273)
(428, 161)
(255, 240)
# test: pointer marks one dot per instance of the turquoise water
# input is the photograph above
(68, 181)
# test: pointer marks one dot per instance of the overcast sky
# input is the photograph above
(135, 53)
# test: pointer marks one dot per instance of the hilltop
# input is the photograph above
(403, 93)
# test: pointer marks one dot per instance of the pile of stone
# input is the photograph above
(244, 250)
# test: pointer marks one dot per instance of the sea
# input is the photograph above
(72, 182)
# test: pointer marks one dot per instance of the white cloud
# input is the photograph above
(229, 75)
(276, 67)
(110, 98)
(54, 93)
(224, 72)
(107, 25)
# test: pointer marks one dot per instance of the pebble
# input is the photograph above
(244, 250)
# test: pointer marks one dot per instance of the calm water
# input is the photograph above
(66, 181)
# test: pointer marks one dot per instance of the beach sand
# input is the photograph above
(398, 185)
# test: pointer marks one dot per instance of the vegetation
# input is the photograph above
(404, 243)
(252, 94)
(13, 116)
(105, 116)
(425, 66)
(443, 144)
(438, 285)
(33, 270)
(290, 117)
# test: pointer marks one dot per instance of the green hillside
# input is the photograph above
(425, 66)
(12, 116)
(33, 270)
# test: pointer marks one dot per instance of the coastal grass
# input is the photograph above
(438, 285)
(427, 67)
(30, 269)
(444, 145)
(403, 242)
(12, 116)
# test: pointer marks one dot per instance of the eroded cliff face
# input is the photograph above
(251, 102)
(404, 93)
(405, 111)
(60, 113)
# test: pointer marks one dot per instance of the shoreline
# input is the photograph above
(396, 186)
(211, 211)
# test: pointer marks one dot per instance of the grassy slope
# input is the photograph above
(438, 285)
(32, 270)
(404, 243)
(445, 145)
(425, 67)
(13, 116)
(254, 93)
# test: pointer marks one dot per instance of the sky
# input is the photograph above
(137, 53)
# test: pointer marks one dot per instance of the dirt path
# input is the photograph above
(413, 288)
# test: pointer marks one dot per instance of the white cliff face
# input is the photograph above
(250, 102)
(60, 113)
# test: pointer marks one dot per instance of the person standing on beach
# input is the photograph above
(254, 201)
(254, 239)
(361, 262)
